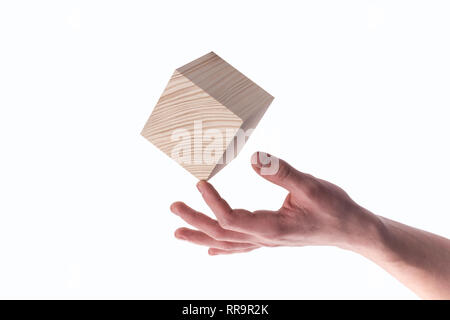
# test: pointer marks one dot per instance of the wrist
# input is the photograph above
(368, 235)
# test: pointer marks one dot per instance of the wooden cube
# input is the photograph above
(205, 114)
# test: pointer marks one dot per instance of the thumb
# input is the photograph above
(280, 172)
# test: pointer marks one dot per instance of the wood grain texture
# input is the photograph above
(227, 85)
(210, 92)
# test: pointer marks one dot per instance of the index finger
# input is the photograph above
(214, 201)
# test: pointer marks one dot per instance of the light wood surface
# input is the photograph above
(210, 92)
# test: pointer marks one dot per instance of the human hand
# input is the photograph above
(315, 212)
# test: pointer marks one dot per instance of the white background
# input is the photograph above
(361, 99)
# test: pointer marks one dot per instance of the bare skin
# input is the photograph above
(317, 212)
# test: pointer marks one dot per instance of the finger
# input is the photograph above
(237, 220)
(212, 198)
(208, 225)
(281, 173)
(203, 239)
(215, 251)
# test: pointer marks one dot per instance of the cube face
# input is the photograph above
(181, 119)
(205, 108)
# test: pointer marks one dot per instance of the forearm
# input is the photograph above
(418, 259)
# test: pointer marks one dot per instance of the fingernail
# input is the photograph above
(172, 208)
(262, 159)
(254, 160)
(179, 236)
(201, 185)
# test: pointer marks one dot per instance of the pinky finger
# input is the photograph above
(216, 251)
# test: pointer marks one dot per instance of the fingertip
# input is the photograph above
(179, 234)
(206, 189)
(202, 185)
(261, 159)
(176, 206)
(211, 252)
(254, 159)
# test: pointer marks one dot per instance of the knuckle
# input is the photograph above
(226, 245)
(217, 233)
(227, 221)
(277, 232)
(284, 171)
(314, 189)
